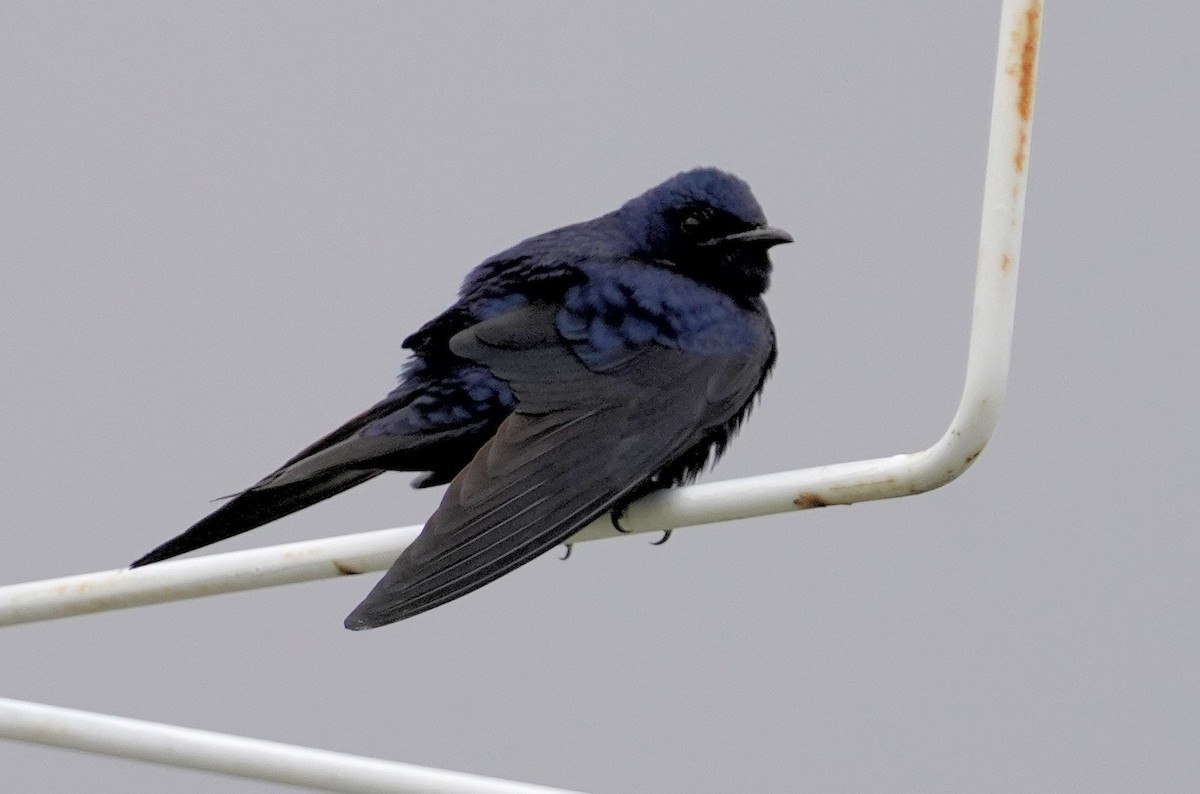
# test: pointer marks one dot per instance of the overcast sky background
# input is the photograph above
(218, 221)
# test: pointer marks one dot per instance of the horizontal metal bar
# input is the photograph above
(176, 580)
(364, 552)
(239, 755)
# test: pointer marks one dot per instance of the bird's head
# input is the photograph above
(705, 224)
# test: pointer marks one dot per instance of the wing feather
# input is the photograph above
(578, 443)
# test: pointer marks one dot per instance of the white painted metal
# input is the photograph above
(838, 484)
(844, 483)
(175, 580)
(238, 755)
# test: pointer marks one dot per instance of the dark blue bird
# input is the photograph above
(578, 370)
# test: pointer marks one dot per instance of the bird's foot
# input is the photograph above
(615, 517)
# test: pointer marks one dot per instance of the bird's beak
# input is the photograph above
(766, 236)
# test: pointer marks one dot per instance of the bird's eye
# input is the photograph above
(696, 218)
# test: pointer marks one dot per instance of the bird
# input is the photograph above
(577, 371)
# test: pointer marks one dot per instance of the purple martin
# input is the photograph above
(577, 371)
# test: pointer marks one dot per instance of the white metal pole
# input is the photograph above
(820, 486)
(176, 580)
(239, 755)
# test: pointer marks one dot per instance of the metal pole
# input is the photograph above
(238, 755)
(845, 483)
(821, 486)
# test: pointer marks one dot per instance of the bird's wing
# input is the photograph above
(341, 460)
(388, 438)
(576, 445)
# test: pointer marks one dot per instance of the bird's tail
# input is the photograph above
(256, 507)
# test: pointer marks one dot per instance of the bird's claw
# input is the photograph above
(615, 517)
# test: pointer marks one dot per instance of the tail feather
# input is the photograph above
(253, 508)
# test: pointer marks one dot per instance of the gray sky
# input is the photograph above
(217, 222)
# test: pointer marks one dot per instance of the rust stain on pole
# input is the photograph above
(809, 500)
(344, 569)
(1025, 41)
